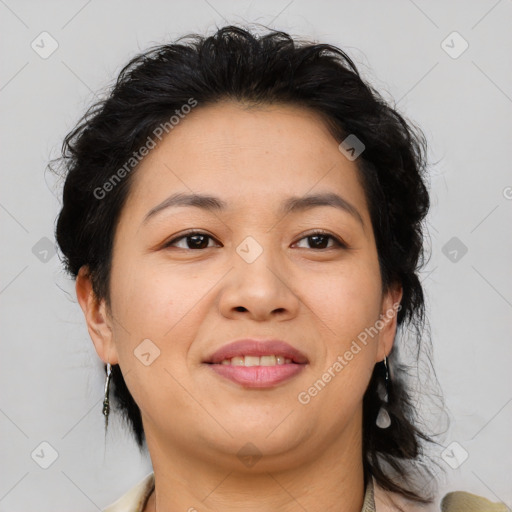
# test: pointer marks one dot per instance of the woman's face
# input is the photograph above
(252, 272)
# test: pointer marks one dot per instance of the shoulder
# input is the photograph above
(461, 501)
(134, 499)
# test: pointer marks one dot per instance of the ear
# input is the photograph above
(388, 320)
(98, 322)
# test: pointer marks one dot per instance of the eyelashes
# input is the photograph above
(191, 234)
(200, 237)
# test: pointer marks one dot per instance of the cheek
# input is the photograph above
(156, 313)
(346, 299)
(158, 302)
(143, 299)
(347, 302)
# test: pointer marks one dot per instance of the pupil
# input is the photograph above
(198, 246)
(316, 237)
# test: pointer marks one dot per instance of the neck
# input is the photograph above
(330, 481)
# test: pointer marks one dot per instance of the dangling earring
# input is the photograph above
(383, 420)
(106, 406)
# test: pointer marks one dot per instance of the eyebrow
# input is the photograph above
(290, 205)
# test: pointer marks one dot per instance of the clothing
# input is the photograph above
(135, 499)
(376, 499)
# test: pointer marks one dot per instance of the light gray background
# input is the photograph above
(51, 377)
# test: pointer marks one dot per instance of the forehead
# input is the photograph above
(247, 156)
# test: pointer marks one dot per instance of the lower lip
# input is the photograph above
(258, 376)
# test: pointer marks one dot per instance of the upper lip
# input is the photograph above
(253, 347)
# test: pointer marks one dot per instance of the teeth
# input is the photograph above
(252, 361)
(257, 361)
(267, 360)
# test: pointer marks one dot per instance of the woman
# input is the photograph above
(243, 218)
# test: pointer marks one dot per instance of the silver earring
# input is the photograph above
(106, 405)
(383, 420)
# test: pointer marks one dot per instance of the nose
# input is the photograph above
(261, 290)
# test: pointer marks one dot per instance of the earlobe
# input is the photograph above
(97, 320)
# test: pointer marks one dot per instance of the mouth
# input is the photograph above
(257, 364)
(264, 360)
(252, 352)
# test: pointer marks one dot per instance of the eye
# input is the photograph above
(319, 238)
(194, 240)
(197, 240)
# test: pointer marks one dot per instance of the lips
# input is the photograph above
(252, 347)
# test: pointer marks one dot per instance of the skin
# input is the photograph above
(189, 302)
